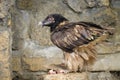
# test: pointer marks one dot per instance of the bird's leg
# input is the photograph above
(59, 68)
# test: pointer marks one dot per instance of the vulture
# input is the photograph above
(77, 40)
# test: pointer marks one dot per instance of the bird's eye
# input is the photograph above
(51, 19)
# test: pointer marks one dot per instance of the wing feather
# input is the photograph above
(72, 35)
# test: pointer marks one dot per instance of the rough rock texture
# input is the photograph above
(4, 7)
(71, 76)
(80, 5)
(26, 18)
(104, 76)
(107, 63)
(76, 76)
(5, 55)
(43, 76)
(33, 53)
(5, 40)
(16, 61)
(32, 48)
(33, 61)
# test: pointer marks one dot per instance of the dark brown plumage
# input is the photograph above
(76, 39)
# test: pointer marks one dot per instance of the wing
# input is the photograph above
(73, 35)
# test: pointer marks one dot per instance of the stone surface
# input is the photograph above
(107, 63)
(72, 76)
(33, 52)
(5, 40)
(32, 48)
(4, 7)
(20, 22)
(81, 76)
(36, 62)
(5, 54)
(28, 19)
(24, 4)
(80, 5)
(5, 17)
(44, 76)
(116, 3)
(102, 16)
(16, 61)
(77, 5)
(103, 76)
(36, 58)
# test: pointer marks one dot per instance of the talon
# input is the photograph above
(58, 71)
(62, 71)
(52, 71)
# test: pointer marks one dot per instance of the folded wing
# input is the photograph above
(72, 35)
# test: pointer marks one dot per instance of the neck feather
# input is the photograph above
(52, 28)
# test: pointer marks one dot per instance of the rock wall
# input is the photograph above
(5, 55)
(33, 52)
(5, 40)
(32, 11)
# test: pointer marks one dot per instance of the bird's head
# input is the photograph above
(52, 21)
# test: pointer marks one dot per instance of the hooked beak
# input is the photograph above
(40, 23)
(43, 23)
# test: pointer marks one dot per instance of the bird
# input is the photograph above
(77, 40)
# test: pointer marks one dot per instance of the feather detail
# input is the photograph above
(76, 39)
(80, 58)
(78, 43)
(73, 61)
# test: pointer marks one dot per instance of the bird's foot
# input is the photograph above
(61, 71)
(58, 69)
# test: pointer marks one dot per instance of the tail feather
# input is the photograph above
(110, 30)
(90, 52)
(83, 56)
(80, 58)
